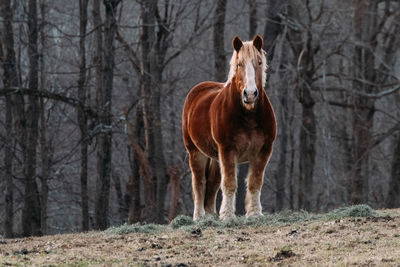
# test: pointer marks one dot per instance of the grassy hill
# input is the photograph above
(355, 235)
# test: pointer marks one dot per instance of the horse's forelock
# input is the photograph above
(248, 51)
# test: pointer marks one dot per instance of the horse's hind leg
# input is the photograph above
(198, 164)
(255, 180)
(213, 184)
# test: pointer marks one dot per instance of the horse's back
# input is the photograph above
(202, 90)
(196, 125)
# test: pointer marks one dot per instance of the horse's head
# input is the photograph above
(248, 69)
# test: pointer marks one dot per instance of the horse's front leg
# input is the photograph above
(255, 179)
(229, 183)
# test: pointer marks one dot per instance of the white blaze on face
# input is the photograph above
(251, 86)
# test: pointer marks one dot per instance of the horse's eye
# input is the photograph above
(239, 64)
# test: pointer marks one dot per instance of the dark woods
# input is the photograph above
(92, 93)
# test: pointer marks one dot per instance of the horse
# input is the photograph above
(226, 124)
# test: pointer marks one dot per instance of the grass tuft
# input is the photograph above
(352, 211)
(289, 216)
(186, 223)
(181, 221)
(209, 221)
(136, 228)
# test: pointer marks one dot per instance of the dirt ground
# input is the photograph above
(353, 241)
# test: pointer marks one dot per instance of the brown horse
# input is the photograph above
(227, 124)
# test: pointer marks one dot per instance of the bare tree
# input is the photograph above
(9, 80)
(82, 117)
(105, 103)
(46, 143)
(364, 23)
(31, 218)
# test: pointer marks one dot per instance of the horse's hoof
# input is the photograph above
(197, 217)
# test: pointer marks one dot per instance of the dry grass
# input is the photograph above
(339, 238)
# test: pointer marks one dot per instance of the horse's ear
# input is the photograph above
(258, 42)
(237, 43)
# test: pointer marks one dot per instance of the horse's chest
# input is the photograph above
(248, 145)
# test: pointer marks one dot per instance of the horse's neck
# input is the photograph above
(231, 93)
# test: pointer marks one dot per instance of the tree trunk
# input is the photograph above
(133, 194)
(82, 119)
(8, 161)
(98, 54)
(308, 132)
(218, 39)
(46, 152)
(105, 137)
(98, 63)
(46, 149)
(363, 111)
(307, 157)
(252, 18)
(31, 217)
(156, 155)
(146, 40)
(10, 79)
(120, 198)
(139, 168)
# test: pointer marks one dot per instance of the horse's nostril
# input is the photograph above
(256, 93)
(244, 93)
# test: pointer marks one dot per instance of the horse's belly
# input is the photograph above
(200, 134)
(201, 137)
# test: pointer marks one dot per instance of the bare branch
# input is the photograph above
(49, 95)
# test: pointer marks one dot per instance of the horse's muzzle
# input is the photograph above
(249, 97)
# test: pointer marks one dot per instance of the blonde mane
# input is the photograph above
(246, 52)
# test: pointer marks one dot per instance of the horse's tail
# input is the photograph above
(213, 183)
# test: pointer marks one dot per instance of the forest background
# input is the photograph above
(92, 93)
